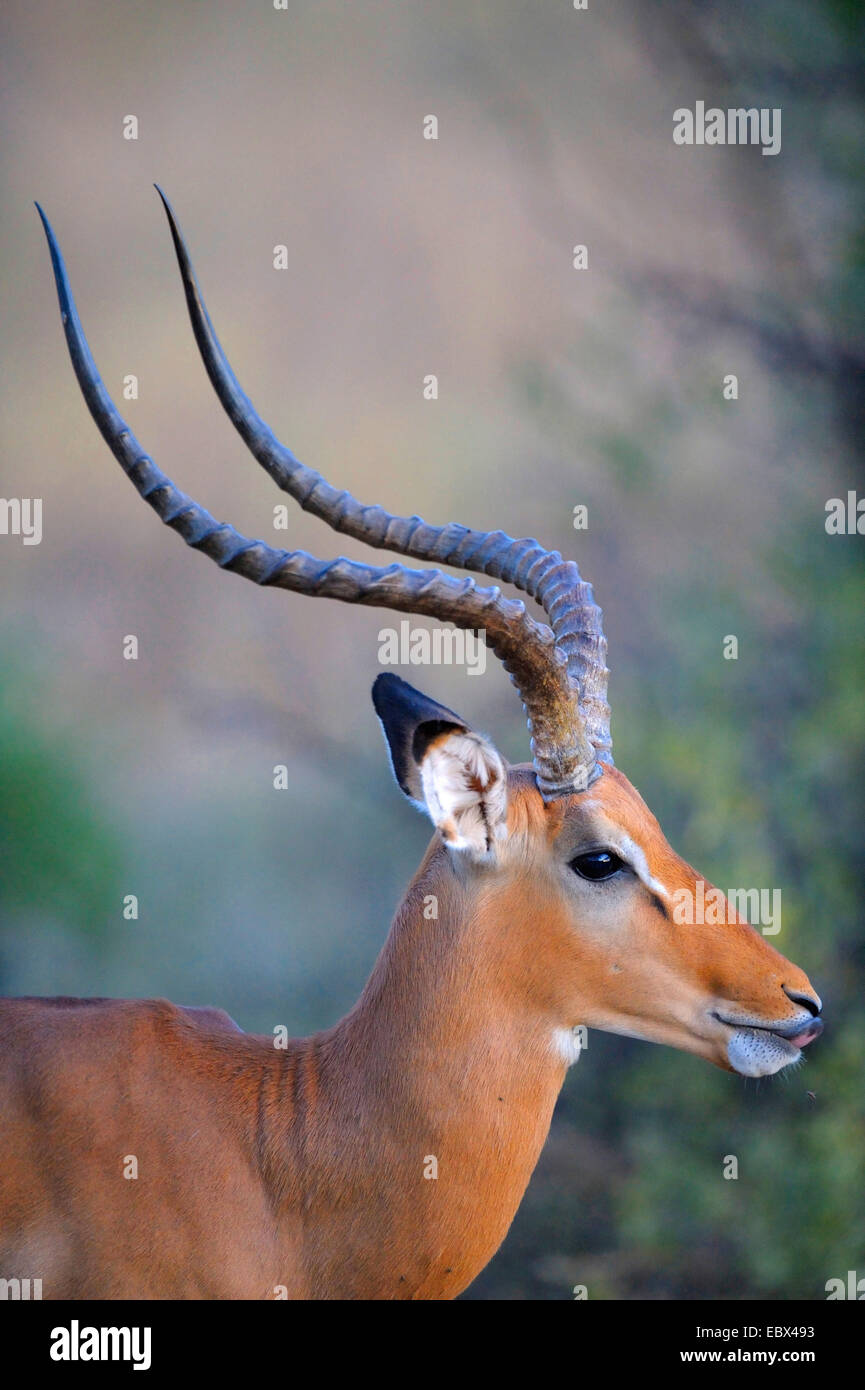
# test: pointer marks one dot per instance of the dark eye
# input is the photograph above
(601, 863)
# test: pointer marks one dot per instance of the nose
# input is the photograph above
(811, 1002)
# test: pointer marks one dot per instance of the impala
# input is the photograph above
(386, 1156)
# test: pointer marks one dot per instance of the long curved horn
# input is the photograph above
(554, 583)
(564, 758)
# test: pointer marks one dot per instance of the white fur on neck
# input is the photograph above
(567, 1044)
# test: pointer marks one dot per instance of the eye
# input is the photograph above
(601, 863)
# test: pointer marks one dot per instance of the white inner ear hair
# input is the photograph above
(465, 789)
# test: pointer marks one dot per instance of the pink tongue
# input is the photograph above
(807, 1035)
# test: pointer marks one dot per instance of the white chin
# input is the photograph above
(753, 1052)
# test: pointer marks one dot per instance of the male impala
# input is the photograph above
(302, 1171)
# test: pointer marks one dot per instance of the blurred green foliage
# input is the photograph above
(59, 857)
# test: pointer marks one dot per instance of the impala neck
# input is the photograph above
(439, 1088)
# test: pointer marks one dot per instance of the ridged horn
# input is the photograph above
(555, 584)
(538, 662)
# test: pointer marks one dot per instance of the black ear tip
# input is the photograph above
(382, 681)
(380, 688)
(409, 720)
(394, 698)
(386, 687)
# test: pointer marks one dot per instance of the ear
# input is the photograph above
(443, 766)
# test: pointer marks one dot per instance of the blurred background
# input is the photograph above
(603, 387)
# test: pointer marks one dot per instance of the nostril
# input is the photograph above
(808, 1001)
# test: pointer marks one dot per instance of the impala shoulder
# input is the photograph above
(210, 1018)
(162, 1013)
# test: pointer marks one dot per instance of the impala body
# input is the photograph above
(154, 1151)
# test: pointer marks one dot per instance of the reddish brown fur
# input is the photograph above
(304, 1168)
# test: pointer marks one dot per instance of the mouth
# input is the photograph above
(755, 1049)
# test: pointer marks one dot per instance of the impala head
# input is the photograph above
(564, 853)
(585, 886)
